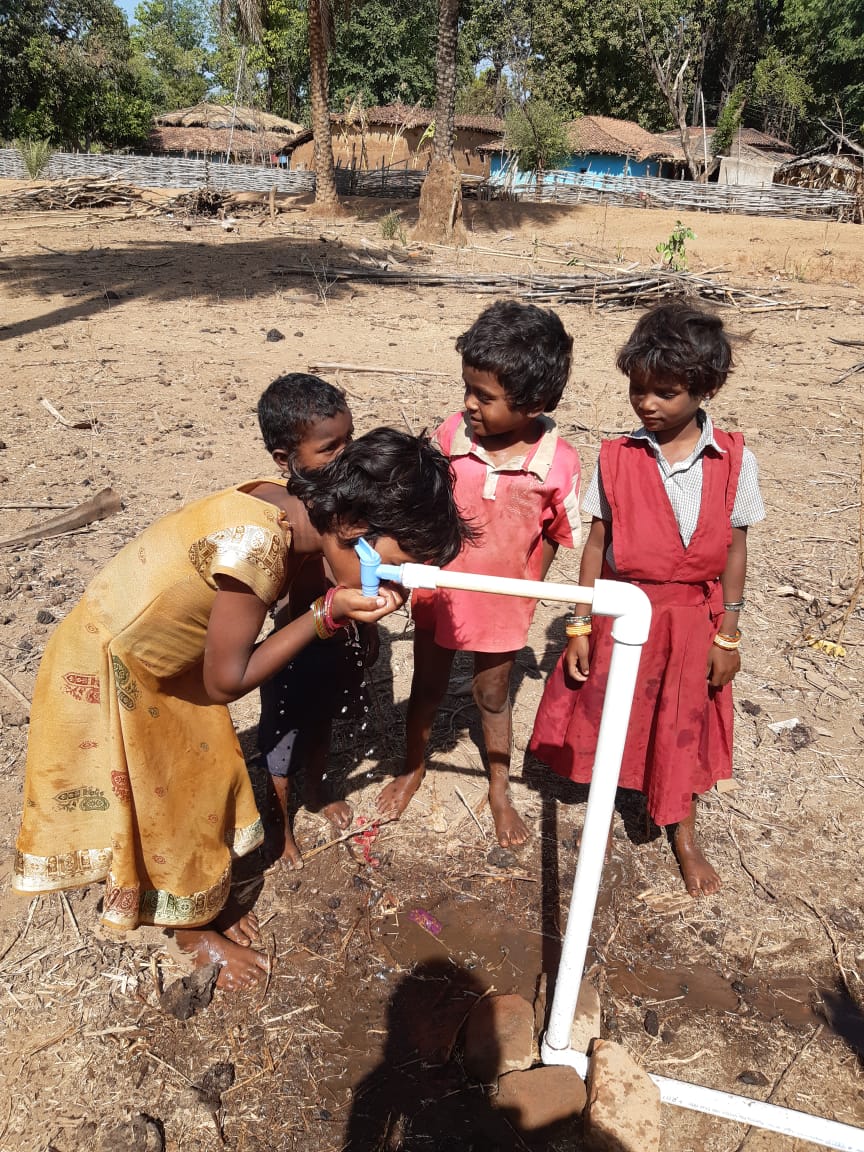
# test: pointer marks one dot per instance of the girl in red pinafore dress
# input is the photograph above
(671, 504)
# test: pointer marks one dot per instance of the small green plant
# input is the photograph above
(392, 228)
(673, 252)
(35, 155)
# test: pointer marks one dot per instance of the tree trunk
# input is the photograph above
(440, 218)
(325, 170)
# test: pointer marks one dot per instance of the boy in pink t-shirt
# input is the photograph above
(518, 483)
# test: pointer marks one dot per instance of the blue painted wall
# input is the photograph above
(586, 164)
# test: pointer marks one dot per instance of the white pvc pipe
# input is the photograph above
(741, 1109)
(623, 669)
(631, 610)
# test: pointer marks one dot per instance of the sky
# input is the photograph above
(128, 6)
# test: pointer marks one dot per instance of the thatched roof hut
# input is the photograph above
(216, 116)
(249, 147)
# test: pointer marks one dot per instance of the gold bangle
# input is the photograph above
(578, 630)
(319, 620)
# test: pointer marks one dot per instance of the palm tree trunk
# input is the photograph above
(445, 79)
(440, 217)
(325, 169)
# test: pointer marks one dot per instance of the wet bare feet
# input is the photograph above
(317, 799)
(241, 966)
(396, 796)
(700, 878)
(510, 828)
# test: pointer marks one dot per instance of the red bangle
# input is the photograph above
(332, 624)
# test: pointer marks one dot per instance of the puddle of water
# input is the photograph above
(499, 955)
(792, 999)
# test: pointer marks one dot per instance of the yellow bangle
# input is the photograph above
(578, 630)
(319, 620)
(728, 643)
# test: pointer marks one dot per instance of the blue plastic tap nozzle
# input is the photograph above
(370, 562)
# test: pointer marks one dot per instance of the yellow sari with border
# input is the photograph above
(133, 775)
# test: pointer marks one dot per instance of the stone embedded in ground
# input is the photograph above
(499, 1037)
(541, 1099)
(623, 1109)
(586, 1022)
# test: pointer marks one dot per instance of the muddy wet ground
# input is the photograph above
(157, 337)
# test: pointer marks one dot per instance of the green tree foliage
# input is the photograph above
(781, 91)
(386, 51)
(729, 121)
(172, 37)
(68, 74)
(537, 134)
(827, 38)
(275, 72)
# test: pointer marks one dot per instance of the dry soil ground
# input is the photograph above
(151, 336)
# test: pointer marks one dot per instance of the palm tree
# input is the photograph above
(441, 195)
(320, 14)
(249, 17)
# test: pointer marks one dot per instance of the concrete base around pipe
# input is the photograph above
(743, 1110)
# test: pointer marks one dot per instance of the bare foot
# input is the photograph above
(317, 799)
(700, 878)
(280, 847)
(241, 929)
(290, 856)
(510, 828)
(396, 796)
(240, 965)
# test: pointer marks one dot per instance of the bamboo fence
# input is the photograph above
(680, 195)
(404, 183)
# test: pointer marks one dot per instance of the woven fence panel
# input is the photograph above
(163, 172)
(555, 187)
(680, 195)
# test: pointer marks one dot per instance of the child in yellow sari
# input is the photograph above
(134, 772)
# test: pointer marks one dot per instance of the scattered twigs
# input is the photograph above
(349, 835)
(835, 946)
(759, 883)
(471, 812)
(103, 504)
(13, 691)
(778, 1083)
(600, 289)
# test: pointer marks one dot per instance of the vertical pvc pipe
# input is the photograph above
(623, 670)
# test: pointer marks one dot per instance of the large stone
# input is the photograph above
(541, 1101)
(586, 1022)
(623, 1109)
(499, 1038)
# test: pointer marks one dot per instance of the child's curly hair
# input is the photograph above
(388, 483)
(525, 347)
(679, 340)
(290, 406)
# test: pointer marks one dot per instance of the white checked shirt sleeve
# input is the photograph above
(749, 507)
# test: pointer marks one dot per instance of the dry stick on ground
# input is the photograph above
(760, 883)
(778, 1083)
(35, 504)
(13, 691)
(345, 836)
(103, 504)
(835, 947)
(379, 371)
